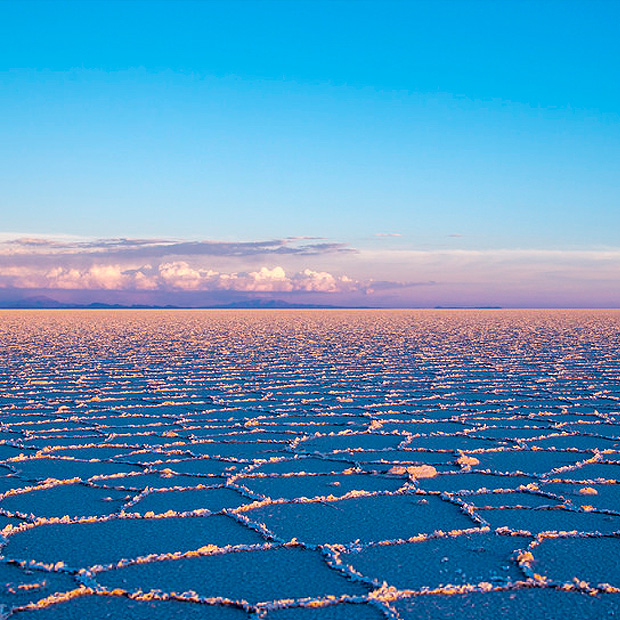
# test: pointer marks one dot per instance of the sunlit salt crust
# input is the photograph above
(309, 464)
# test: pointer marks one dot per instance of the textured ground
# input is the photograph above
(309, 465)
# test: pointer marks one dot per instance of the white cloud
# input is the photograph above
(261, 281)
(179, 275)
(175, 275)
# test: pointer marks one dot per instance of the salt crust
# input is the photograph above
(261, 412)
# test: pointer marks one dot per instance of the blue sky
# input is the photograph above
(463, 153)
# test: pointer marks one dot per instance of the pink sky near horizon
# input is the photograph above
(304, 270)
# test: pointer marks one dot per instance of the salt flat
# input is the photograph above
(309, 464)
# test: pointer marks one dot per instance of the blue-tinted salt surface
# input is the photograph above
(309, 464)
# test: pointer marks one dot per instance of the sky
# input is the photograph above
(356, 153)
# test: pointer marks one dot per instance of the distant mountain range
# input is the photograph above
(467, 307)
(43, 302)
(47, 303)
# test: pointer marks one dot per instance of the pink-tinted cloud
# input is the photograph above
(176, 275)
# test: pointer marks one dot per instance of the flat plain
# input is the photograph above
(309, 464)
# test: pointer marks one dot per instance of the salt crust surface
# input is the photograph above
(343, 611)
(517, 604)
(309, 464)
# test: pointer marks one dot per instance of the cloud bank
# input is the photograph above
(307, 268)
(124, 264)
(128, 248)
(176, 276)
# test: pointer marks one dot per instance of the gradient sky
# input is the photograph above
(357, 153)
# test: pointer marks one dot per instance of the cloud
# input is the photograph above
(176, 276)
(388, 235)
(525, 270)
(30, 242)
(386, 285)
(179, 275)
(303, 237)
(308, 267)
(128, 248)
(105, 277)
(96, 277)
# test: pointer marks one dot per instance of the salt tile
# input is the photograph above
(303, 464)
(44, 426)
(241, 450)
(8, 451)
(594, 560)
(103, 542)
(200, 466)
(592, 471)
(333, 443)
(535, 424)
(52, 433)
(75, 500)
(527, 461)
(14, 521)
(452, 442)
(514, 434)
(265, 575)
(19, 586)
(14, 418)
(579, 442)
(156, 480)
(8, 482)
(213, 500)
(412, 457)
(262, 435)
(454, 483)
(365, 518)
(64, 469)
(307, 427)
(137, 440)
(435, 562)
(290, 487)
(134, 420)
(605, 496)
(523, 604)
(9, 435)
(34, 443)
(606, 429)
(514, 498)
(196, 432)
(422, 428)
(344, 420)
(542, 520)
(92, 452)
(342, 611)
(146, 457)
